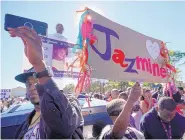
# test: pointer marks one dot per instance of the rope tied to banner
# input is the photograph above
(170, 86)
(84, 42)
(165, 54)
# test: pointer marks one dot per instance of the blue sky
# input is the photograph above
(161, 20)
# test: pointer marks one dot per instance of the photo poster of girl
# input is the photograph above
(59, 57)
(62, 57)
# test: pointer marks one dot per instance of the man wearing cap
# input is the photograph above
(54, 115)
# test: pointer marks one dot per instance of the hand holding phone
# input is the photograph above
(12, 21)
(32, 43)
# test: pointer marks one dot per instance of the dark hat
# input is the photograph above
(177, 98)
(24, 76)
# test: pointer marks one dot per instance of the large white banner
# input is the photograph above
(121, 53)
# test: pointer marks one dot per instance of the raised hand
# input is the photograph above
(32, 42)
(135, 93)
(122, 121)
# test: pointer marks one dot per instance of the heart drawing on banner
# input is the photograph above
(153, 49)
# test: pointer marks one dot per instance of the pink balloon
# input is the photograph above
(86, 29)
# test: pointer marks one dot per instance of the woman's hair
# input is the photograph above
(96, 95)
(145, 90)
(142, 98)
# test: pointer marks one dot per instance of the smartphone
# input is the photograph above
(14, 21)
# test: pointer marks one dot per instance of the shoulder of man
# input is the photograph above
(180, 118)
(21, 129)
(150, 114)
(75, 103)
(71, 97)
(148, 117)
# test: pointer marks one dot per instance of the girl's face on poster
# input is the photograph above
(61, 53)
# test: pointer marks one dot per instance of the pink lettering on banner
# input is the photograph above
(149, 65)
(145, 65)
(142, 64)
(119, 57)
(155, 69)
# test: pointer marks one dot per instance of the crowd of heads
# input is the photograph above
(165, 105)
(8, 102)
(130, 110)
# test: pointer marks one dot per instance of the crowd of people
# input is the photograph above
(8, 102)
(148, 112)
(136, 113)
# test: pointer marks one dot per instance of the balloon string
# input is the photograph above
(164, 52)
(85, 40)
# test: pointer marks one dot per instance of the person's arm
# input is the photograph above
(60, 115)
(123, 119)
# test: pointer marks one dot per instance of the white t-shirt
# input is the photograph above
(57, 36)
(33, 133)
(137, 117)
(33, 130)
